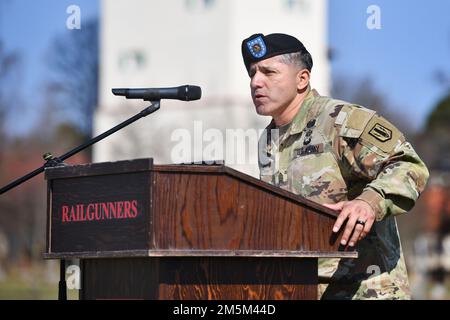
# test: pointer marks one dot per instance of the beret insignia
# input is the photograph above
(257, 47)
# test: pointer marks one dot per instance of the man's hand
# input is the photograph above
(360, 220)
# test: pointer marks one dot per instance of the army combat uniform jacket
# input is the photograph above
(334, 151)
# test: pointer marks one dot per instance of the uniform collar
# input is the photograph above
(299, 121)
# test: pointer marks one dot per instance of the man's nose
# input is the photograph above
(256, 81)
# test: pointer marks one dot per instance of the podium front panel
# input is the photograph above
(200, 278)
(101, 209)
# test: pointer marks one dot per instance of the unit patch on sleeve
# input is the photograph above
(380, 132)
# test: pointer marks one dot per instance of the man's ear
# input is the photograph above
(303, 77)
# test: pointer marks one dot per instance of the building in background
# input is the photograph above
(176, 42)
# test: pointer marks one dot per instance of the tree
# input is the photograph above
(9, 62)
(435, 140)
(73, 58)
(439, 118)
(363, 92)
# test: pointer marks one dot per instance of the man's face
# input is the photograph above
(273, 85)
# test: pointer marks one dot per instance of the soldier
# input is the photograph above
(341, 155)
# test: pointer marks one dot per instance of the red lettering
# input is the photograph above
(127, 205)
(82, 215)
(90, 210)
(80, 211)
(105, 210)
(90, 214)
(134, 211)
(72, 214)
(119, 209)
(98, 212)
(65, 211)
(112, 209)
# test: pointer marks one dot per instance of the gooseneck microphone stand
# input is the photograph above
(55, 161)
(52, 161)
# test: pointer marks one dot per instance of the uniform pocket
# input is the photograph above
(316, 176)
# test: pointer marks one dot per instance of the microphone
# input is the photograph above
(185, 93)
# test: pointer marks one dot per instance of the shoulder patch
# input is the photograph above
(382, 134)
(356, 121)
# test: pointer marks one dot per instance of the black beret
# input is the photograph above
(259, 47)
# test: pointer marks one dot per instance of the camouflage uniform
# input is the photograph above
(334, 151)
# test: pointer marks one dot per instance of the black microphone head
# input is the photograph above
(119, 92)
(189, 93)
(185, 93)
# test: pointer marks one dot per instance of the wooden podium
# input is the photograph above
(144, 231)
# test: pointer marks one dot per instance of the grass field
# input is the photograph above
(36, 282)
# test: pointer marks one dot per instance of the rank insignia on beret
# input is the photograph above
(380, 132)
(257, 47)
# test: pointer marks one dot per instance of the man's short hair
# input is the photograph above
(298, 59)
(259, 47)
